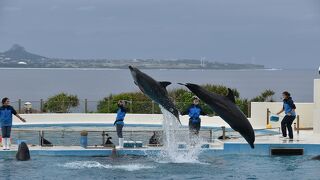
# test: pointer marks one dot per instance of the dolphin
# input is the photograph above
(226, 108)
(316, 158)
(155, 90)
(23, 153)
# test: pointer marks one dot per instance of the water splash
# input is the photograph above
(97, 165)
(173, 137)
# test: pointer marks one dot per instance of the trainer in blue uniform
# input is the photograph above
(289, 108)
(6, 112)
(121, 113)
(194, 111)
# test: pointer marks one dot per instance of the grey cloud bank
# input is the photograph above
(274, 33)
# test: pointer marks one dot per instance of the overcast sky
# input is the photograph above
(276, 33)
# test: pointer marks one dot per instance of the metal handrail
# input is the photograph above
(104, 132)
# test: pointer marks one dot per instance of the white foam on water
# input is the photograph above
(173, 136)
(132, 167)
(95, 164)
(85, 164)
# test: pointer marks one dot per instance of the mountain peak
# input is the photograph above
(17, 47)
(19, 52)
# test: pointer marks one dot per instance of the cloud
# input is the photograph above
(53, 8)
(310, 16)
(86, 8)
(11, 8)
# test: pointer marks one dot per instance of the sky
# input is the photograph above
(275, 33)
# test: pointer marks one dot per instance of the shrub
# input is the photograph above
(140, 103)
(61, 103)
(137, 102)
(265, 96)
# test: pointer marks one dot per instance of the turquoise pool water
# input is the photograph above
(132, 167)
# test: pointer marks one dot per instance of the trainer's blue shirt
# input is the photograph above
(289, 106)
(194, 112)
(121, 113)
(6, 115)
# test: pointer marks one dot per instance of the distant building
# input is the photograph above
(22, 63)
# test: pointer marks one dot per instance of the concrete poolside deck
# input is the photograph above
(306, 140)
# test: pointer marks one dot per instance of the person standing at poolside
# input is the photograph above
(194, 111)
(6, 112)
(289, 108)
(121, 113)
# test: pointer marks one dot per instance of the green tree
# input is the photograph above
(137, 102)
(265, 96)
(61, 103)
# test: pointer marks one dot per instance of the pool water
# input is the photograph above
(134, 167)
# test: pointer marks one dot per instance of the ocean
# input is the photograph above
(94, 84)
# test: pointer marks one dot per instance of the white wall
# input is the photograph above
(259, 113)
(70, 118)
(309, 112)
(316, 112)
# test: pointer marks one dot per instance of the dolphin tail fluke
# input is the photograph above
(176, 114)
(179, 120)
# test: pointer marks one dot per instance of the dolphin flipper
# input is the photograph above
(230, 95)
(164, 83)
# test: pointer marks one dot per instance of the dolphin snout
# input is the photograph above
(250, 138)
(131, 68)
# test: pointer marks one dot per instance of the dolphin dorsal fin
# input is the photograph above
(231, 95)
(165, 83)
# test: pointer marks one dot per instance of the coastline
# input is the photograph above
(160, 69)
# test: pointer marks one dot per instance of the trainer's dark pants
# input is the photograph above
(286, 124)
(194, 127)
(6, 131)
(119, 130)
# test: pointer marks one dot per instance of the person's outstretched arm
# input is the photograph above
(21, 119)
(202, 112)
(280, 111)
(185, 112)
(123, 109)
(14, 112)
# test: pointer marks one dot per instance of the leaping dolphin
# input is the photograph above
(155, 90)
(23, 153)
(226, 108)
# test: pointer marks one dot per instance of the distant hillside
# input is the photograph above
(19, 52)
(18, 57)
